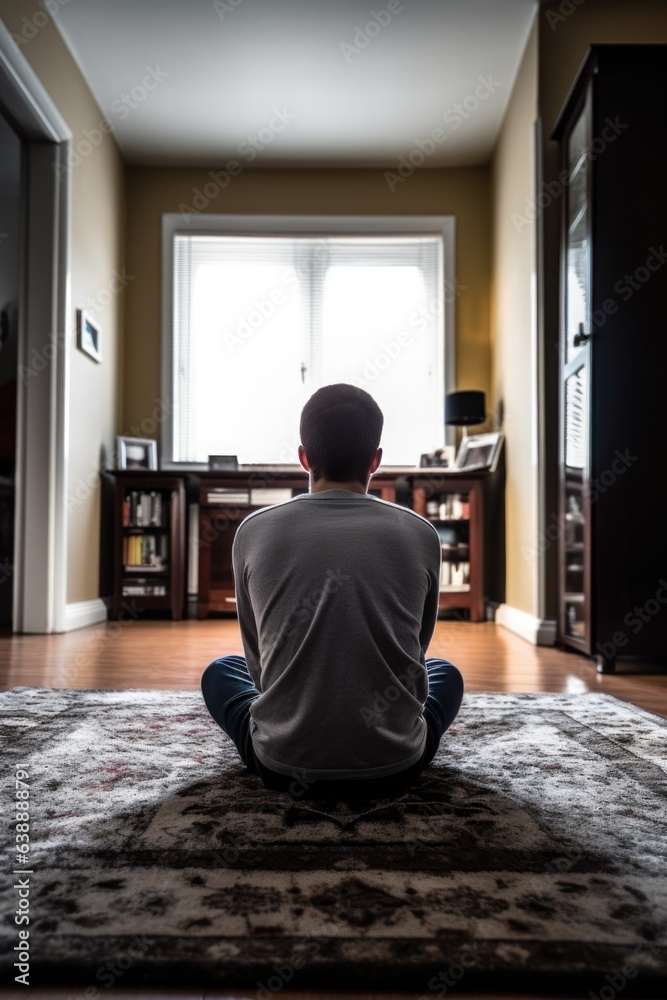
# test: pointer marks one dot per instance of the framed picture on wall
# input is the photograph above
(136, 453)
(88, 336)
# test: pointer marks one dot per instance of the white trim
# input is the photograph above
(182, 222)
(538, 631)
(83, 613)
(40, 526)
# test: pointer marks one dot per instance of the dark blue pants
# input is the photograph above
(229, 691)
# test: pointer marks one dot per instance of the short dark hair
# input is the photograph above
(340, 429)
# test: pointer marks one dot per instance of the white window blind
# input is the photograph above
(261, 321)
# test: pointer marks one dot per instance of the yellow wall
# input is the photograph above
(513, 330)
(97, 254)
(151, 191)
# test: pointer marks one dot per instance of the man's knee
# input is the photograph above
(212, 670)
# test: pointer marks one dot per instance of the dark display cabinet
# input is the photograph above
(612, 133)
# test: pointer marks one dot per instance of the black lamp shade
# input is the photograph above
(464, 408)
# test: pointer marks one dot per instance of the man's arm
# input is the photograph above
(246, 615)
(430, 615)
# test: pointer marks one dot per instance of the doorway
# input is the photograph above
(10, 192)
(39, 546)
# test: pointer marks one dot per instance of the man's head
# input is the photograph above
(341, 427)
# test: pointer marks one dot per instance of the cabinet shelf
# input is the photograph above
(146, 570)
(150, 587)
(139, 529)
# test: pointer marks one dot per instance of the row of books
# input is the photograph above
(142, 509)
(263, 496)
(146, 551)
(144, 588)
(454, 507)
(455, 577)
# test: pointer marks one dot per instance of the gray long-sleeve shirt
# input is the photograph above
(337, 598)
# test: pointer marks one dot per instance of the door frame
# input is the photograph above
(40, 520)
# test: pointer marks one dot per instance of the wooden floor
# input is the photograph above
(165, 654)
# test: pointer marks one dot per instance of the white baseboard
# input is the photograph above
(538, 631)
(82, 613)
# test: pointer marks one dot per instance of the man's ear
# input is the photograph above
(376, 461)
(303, 458)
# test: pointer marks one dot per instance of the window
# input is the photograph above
(257, 318)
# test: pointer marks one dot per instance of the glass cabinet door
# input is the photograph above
(573, 517)
(577, 245)
(575, 386)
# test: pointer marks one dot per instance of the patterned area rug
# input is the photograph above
(531, 855)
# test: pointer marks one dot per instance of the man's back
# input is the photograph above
(337, 595)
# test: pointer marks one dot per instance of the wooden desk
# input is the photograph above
(427, 491)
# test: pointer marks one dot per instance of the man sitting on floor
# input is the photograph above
(337, 599)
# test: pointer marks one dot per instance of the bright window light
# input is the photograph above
(261, 322)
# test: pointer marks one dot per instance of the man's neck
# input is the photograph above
(318, 486)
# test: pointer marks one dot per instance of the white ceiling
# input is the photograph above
(228, 64)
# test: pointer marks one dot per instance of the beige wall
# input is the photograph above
(464, 193)
(97, 242)
(513, 328)
(562, 47)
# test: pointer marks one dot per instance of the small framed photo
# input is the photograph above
(88, 336)
(223, 463)
(479, 452)
(442, 458)
(137, 453)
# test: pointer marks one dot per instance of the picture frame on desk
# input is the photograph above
(441, 458)
(223, 463)
(136, 453)
(479, 452)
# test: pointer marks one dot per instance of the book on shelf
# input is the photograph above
(142, 509)
(267, 496)
(149, 552)
(454, 576)
(232, 495)
(454, 507)
(144, 588)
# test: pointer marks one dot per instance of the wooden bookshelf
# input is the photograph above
(149, 544)
(455, 507)
(223, 499)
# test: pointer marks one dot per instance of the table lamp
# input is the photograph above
(462, 409)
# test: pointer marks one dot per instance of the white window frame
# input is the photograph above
(175, 223)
